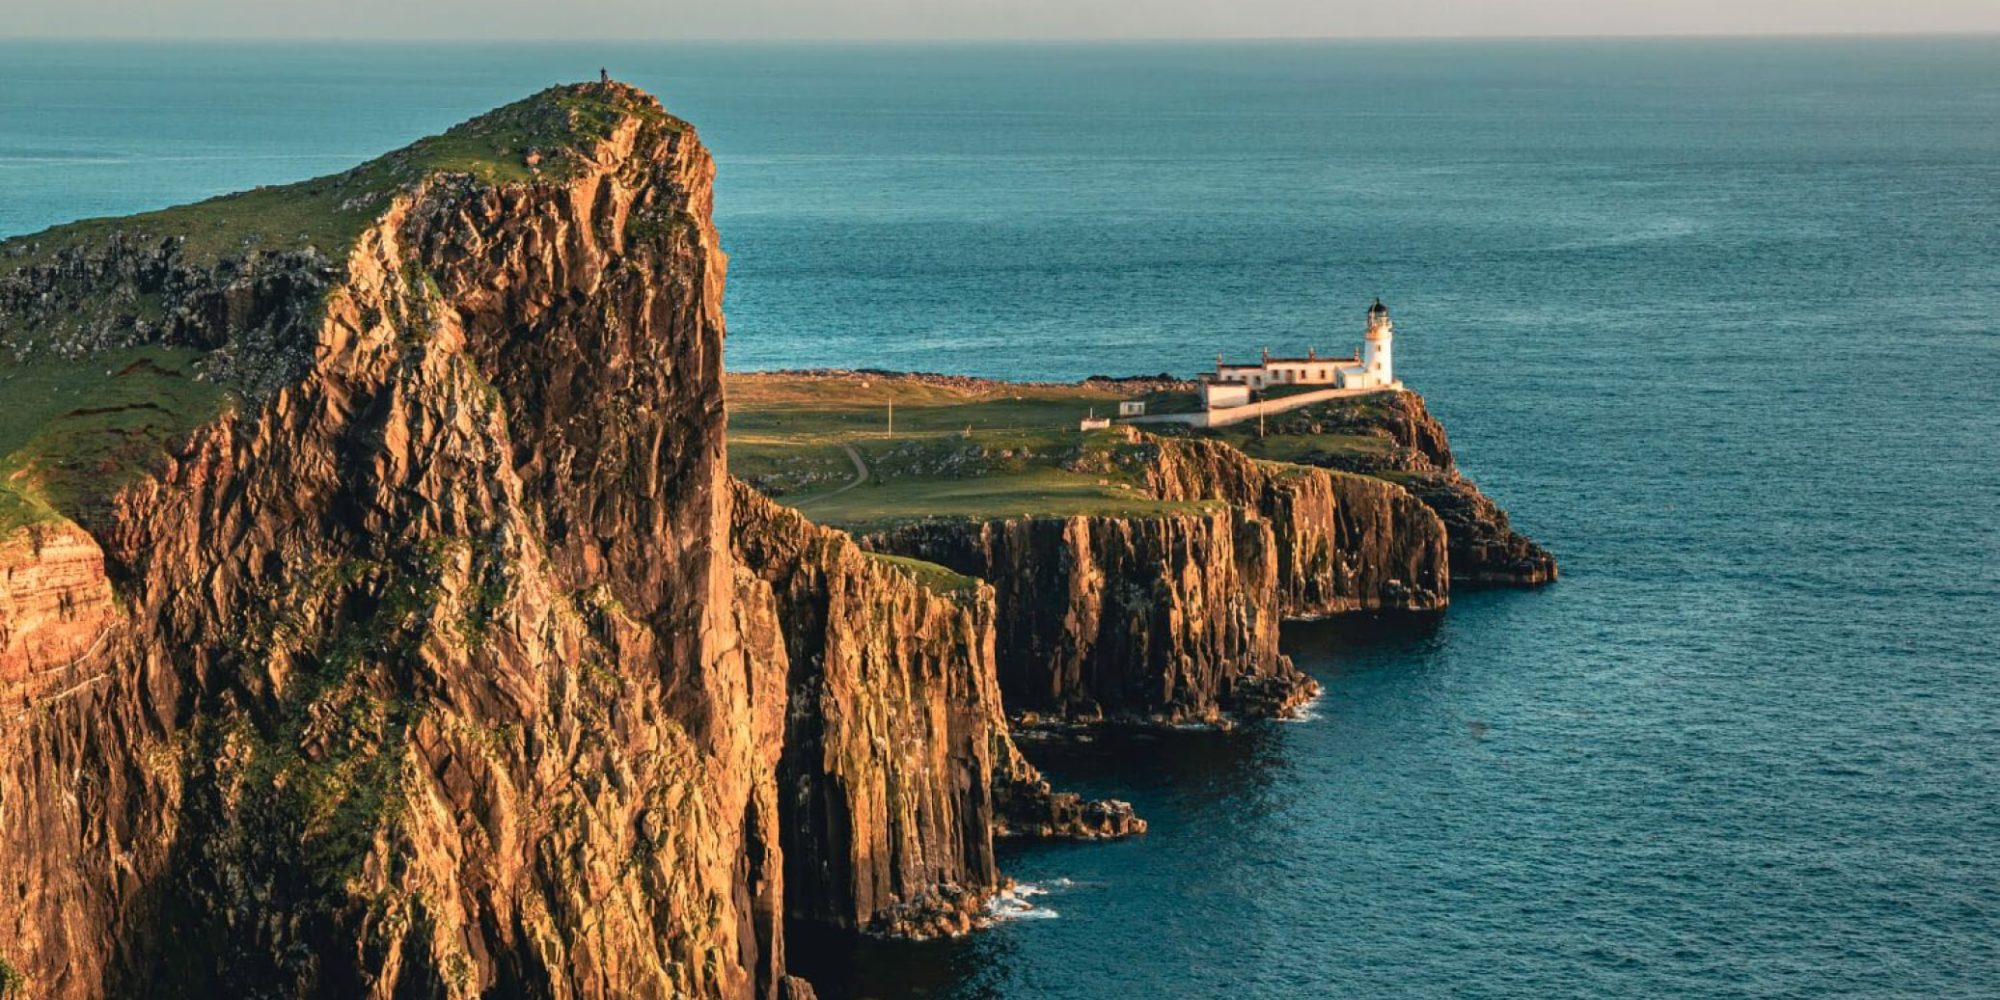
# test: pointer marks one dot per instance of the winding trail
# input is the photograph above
(860, 476)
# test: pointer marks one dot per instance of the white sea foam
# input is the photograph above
(1016, 903)
(1305, 711)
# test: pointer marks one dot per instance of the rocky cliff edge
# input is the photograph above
(379, 619)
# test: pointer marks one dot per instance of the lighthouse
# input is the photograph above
(1377, 366)
(1369, 369)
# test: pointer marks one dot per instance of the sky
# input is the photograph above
(975, 19)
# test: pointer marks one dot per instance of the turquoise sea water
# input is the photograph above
(1718, 321)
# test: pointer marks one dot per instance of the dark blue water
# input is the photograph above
(1718, 321)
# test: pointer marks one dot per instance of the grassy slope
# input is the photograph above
(980, 450)
(1286, 439)
(73, 431)
(70, 429)
(1279, 447)
(930, 575)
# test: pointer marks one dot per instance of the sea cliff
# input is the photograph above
(379, 616)
(1415, 453)
(1140, 572)
(1171, 618)
(379, 619)
(897, 766)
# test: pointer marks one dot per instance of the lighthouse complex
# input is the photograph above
(1373, 368)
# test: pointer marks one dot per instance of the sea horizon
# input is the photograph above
(1715, 319)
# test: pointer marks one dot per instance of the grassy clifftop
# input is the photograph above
(90, 392)
(959, 448)
(537, 137)
(974, 448)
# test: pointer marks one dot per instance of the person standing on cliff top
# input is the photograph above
(603, 75)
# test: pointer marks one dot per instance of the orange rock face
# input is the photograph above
(56, 609)
(1173, 618)
(443, 662)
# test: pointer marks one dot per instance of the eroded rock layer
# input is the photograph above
(1344, 542)
(1162, 619)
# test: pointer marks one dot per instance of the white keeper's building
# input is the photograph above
(1373, 368)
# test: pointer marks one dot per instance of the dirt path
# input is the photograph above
(860, 476)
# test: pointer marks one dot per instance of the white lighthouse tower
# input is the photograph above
(1377, 369)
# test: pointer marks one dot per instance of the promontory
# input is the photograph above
(379, 615)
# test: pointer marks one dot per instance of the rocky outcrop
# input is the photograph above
(1161, 619)
(55, 605)
(1172, 618)
(1485, 549)
(1344, 542)
(427, 681)
(441, 661)
(242, 311)
(897, 766)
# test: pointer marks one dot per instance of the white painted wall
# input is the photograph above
(1225, 416)
(1220, 395)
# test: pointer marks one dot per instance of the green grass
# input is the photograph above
(931, 575)
(1279, 447)
(988, 450)
(771, 460)
(1347, 431)
(804, 405)
(72, 432)
(1037, 492)
(1171, 402)
(976, 450)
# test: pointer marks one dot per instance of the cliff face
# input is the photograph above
(1164, 619)
(1344, 542)
(427, 680)
(1173, 617)
(1484, 547)
(424, 675)
(55, 603)
(897, 765)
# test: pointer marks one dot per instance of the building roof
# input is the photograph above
(1314, 360)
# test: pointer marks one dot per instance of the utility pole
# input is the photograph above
(892, 419)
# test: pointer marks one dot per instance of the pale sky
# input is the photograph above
(975, 19)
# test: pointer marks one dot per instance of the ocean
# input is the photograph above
(1717, 321)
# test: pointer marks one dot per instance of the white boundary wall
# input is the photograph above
(1251, 411)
